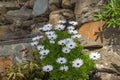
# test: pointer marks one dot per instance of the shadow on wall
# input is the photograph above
(109, 36)
(113, 35)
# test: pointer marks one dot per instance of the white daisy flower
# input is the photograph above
(52, 37)
(64, 68)
(61, 21)
(61, 60)
(50, 33)
(47, 27)
(42, 57)
(62, 42)
(65, 50)
(94, 55)
(73, 23)
(70, 28)
(52, 41)
(71, 45)
(36, 38)
(72, 31)
(76, 36)
(34, 43)
(47, 68)
(68, 40)
(40, 47)
(39, 37)
(59, 27)
(77, 63)
(44, 52)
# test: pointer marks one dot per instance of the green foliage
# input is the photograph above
(78, 64)
(110, 13)
(72, 73)
(31, 70)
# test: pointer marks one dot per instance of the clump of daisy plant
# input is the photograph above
(61, 54)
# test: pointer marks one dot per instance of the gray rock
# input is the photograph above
(14, 50)
(108, 66)
(84, 10)
(40, 6)
(22, 13)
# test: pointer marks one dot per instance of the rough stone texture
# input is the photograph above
(5, 65)
(62, 14)
(108, 66)
(54, 5)
(9, 5)
(7, 34)
(22, 13)
(91, 33)
(111, 36)
(30, 4)
(95, 34)
(85, 9)
(3, 10)
(67, 4)
(40, 6)
(13, 49)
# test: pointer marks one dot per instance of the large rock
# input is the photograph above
(85, 9)
(40, 7)
(54, 5)
(108, 66)
(62, 14)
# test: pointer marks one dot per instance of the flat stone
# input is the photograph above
(9, 5)
(24, 13)
(13, 48)
(6, 34)
(40, 6)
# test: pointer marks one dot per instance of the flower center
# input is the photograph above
(66, 50)
(78, 64)
(44, 53)
(61, 61)
(94, 56)
(48, 69)
(70, 45)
